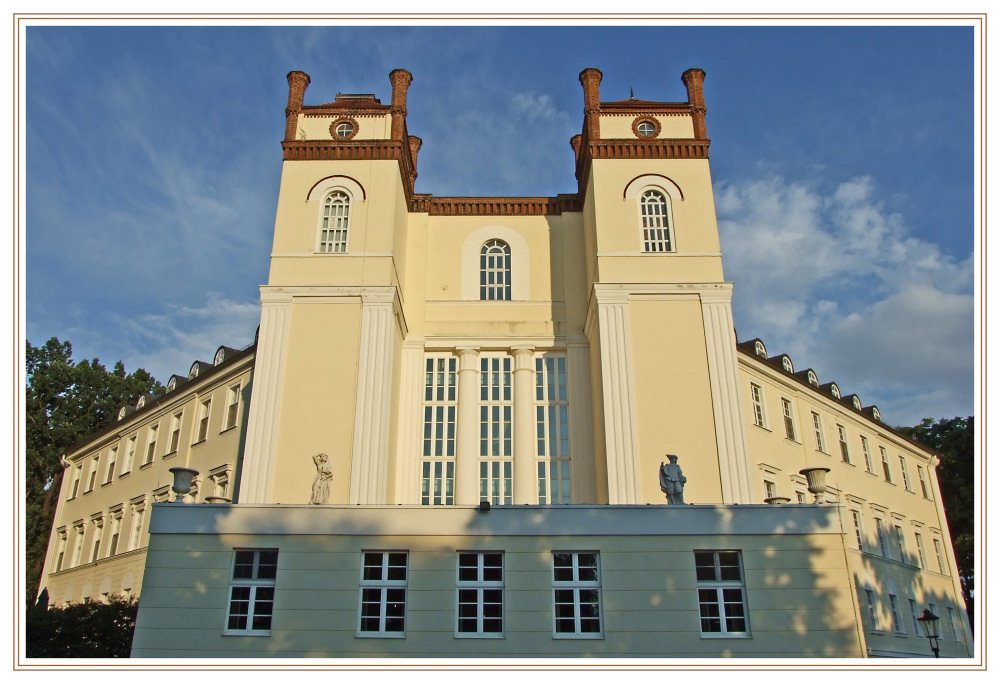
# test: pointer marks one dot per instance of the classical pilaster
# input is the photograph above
(730, 431)
(525, 488)
(262, 422)
(408, 446)
(581, 423)
(370, 455)
(619, 396)
(467, 432)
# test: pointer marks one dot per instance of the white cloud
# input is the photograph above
(837, 282)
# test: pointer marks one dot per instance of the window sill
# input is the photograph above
(87, 492)
(200, 441)
(848, 463)
(578, 636)
(793, 440)
(225, 430)
(246, 634)
(762, 427)
(125, 474)
(467, 635)
(105, 484)
(825, 453)
(145, 465)
(170, 454)
(726, 636)
(380, 635)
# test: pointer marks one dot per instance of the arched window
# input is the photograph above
(655, 222)
(759, 349)
(811, 378)
(494, 271)
(786, 363)
(336, 218)
(834, 390)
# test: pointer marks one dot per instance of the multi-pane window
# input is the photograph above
(92, 477)
(576, 594)
(151, 444)
(61, 552)
(858, 529)
(897, 622)
(758, 404)
(905, 472)
(921, 554)
(897, 537)
(845, 454)
(494, 271)
(95, 546)
(135, 536)
(383, 593)
(940, 556)
(818, 431)
(112, 461)
(800, 497)
(251, 591)
(786, 412)
(74, 488)
(437, 485)
(232, 406)
(655, 222)
(79, 530)
(552, 430)
(923, 482)
(480, 594)
(880, 540)
(866, 449)
(721, 593)
(116, 531)
(956, 624)
(886, 473)
(913, 616)
(175, 432)
(204, 412)
(495, 437)
(769, 490)
(336, 220)
(873, 614)
(129, 454)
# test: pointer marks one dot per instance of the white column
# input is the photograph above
(262, 423)
(619, 396)
(370, 455)
(467, 430)
(408, 445)
(581, 423)
(525, 477)
(730, 431)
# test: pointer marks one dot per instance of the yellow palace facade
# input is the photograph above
(462, 411)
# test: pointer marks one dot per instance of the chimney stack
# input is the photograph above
(590, 79)
(694, 80)
(400, 79)
(298, 81)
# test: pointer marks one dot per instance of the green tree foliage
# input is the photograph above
(82, 630)
(953, 439)
(65, 402)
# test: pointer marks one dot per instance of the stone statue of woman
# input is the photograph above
(321, 483)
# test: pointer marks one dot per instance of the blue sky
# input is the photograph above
(842, 159)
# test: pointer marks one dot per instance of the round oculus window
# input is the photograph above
(344, 128)
(646, 129)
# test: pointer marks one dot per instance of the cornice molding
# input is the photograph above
(496, 206)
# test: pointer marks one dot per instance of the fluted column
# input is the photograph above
(525, 487)
(467, 432)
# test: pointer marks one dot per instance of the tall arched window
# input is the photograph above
(494, 271)
(336, 217)
(655, 222)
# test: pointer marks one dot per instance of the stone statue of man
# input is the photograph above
(672, 480)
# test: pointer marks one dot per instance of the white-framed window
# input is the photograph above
(383, 594)
(220, 481)
(769, 491)
(336, 223)
(116, 529)
(818, 432)
(756, 399)
(912, 603)
(859, 531)
(437, 485)
(79, 531)
(92, 477)
(786, 412)
(204, 413)
(151, 444)
(939, 554)
(845, 454)
(95, 544)
(232, 407)
(112, 461)
(161, 494)
(77, 475)
(721, 593)
(251, 591)
(886, 473)
(956, 624)
(866, 449)
(576, 594)
(494, 271)
(905, 473)
(786, 365)
(835, 390)
(880, 540)
(175, 432)
(129, 461)
(921, 553)
(873, 614)
(138, 515)
(800, 496)
(897, 621)
(495, 429)
(655, 213)
(60, 549)
(897, 534)
(552, 430)
(924, 489)
(812, 379)
(759, 349)
(480, 594)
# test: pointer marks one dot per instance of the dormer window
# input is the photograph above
(172, 384)
(856, 402)
(193, 372)
(812, 379)
(220, 356)
(122, 412)
(876, 414)
(834, 390)
(759, 349)
(786, 365)
(142, 402)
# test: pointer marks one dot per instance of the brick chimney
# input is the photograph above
(694, 80)
(590, 79)
(298, 81)
(415, 144)
(400, 79)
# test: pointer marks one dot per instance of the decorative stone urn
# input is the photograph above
(218, 500)
(183, 477)
(815, 481)
(777, 500)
